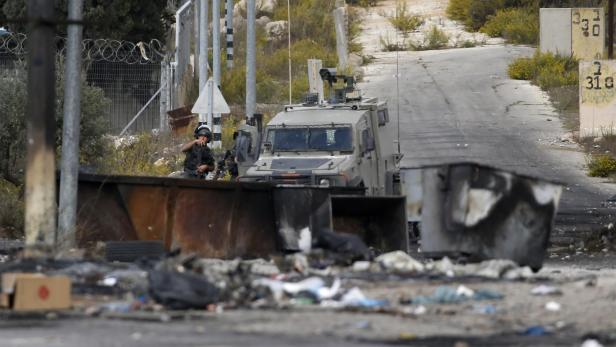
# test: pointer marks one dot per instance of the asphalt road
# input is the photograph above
(459, 105)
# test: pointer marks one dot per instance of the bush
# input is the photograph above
(363, 3)
(433, 39)
(11, 210)
(601, 166)
(546, 70)
(474, 14)
(516, 25)
(403, 21)
(390, 45)
(13, 128)
(458, 9)
(144, 154)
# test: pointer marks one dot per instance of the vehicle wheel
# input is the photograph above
(129, 251)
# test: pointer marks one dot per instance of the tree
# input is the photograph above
(130, 20)
(13, 88)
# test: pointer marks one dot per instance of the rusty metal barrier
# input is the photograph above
(225, 219)
(214, 219)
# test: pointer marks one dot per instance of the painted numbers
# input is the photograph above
(597, 81)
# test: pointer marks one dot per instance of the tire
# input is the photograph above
(129, 251)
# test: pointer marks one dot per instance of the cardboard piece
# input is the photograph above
(28, 291)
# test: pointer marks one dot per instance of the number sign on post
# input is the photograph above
(573, 31)
(597, 97)
(588, 33)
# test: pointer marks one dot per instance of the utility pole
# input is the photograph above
(251, 59)
(216, 129)
(229, 27)
(203, 53)
(610, 29)
(67, 213)
(40, 191)
(341, 37)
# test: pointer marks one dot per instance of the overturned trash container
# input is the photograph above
(485, 213)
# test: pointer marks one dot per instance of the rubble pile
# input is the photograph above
(320, 278)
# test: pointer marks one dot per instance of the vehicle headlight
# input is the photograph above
(324, 182)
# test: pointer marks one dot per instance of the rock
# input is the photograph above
(262, 6)
(262, 21)
(276, 30)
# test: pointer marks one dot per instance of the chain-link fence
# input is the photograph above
(129, 74)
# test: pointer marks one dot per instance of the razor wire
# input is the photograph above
(115, 51)
(127, 72)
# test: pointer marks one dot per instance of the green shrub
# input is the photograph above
(601, 166)
(390, 45)
(93, 126)
(546, 70)
(434, 39)
(363, 3)
(458, 9)
(404, 21)
(516, 25)
(11, 210)
(144, 155)
(474, 14)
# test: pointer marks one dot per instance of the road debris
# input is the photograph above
(553, 306)
(449, 295)
(546, 290)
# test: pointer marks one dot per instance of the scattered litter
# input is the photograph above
(399, 261)
(180, 291)
(361, 266)
(355, 298)
(419, 310)
(484, 309)
(591, 343)
(313, 286)
(553, 306)
(536, 330)
(448, 295)
(346, 247)
(546, 290)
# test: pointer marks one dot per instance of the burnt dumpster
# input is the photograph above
(485, 213)
(227, 219)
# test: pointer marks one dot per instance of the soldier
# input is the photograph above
(199, 160)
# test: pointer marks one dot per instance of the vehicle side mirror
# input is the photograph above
(268, 146)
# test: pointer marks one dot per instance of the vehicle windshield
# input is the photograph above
(311, 139)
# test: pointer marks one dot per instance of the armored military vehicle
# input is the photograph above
(346, 141)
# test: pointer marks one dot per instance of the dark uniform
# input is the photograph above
(195, 157)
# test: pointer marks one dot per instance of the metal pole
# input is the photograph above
(203, 52)
(216, 129)
(67, 212)
(164, 95)
(40, 191)
(251, 59)
(229, 27)
(216, 39)
(289, 37)
(341, 40)
(178, 25)
(610, 29)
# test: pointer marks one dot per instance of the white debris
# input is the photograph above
(553, 306)
(546, 290)
(400, 262)
(591, 343)
(465, 291)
